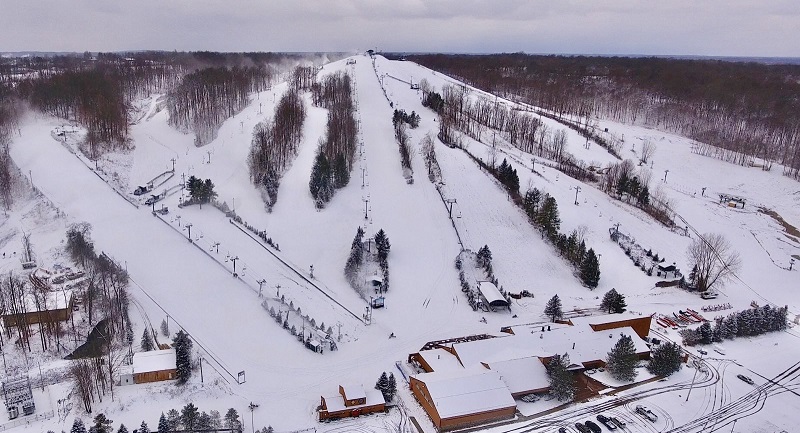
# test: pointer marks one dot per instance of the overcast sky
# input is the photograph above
(697, 27)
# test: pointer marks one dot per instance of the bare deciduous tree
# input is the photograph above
(648, 149)
(715, 260)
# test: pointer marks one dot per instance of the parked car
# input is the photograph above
(708, 295)
(702, 352)
(745, 379)
(582, 428)
(647, 413)
(593, 427)
(562, 430)
(606, 421)
(620, 423)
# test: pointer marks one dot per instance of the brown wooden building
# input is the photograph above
(55, 306)
(461, 399)
(351, 401)
(154, 366)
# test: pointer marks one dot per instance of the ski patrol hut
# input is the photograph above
(351, 401)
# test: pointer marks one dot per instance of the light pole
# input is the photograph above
(179, 220)
(791, 264)
(189, 227)
(215, 245)
(252, 407)
(696, 367)
(366, 203)
(666, 172)
(577, 190)
(234, 259)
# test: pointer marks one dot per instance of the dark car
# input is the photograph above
(582, 428)
(606, 421)
(562, 430)
(620, 423)
(593, 427)
(745, 379)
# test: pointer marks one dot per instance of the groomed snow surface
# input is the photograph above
(191, 284)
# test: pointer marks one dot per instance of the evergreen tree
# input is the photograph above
(562, 382)
(208, 194)
(78, 426)
(122, 429)
(553, 309)
(382, 385)
(590, 270)
(341, 175)
(706, 333)
(231, 420)
(392, 386)
(163, 424)
(216, 419)
(183, 357)
(189, 415)
(613, 302)
(693, 276)
(173, 419)
(382, 245)
(147, 341)
(621, 361)
(145, 429)
(101, 424)
(129, 336)
(644, 196)
(321, 184)
(549, 219)
(164, 328)
(665, 359)
(622, 184)
(531, 203)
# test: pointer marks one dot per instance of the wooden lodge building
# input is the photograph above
(470, 381)
(351, 401)
(152, 366)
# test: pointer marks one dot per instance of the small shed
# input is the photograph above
(154, 366)
(351, 401)
(491, 294)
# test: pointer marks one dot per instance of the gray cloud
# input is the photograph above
(711, 27)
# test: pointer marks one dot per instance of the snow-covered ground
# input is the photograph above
(192, 284)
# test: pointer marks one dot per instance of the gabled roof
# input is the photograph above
(466, 392)
(522, 374)
(353, 391)
(154, 360)
(490, 292)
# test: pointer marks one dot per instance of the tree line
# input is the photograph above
(274, 145)
(337, 147)
(188, 419)
(736, 111)
(745, 323)
(206, 98)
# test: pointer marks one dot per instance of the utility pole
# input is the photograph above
(252, 407)
(363, 171)
(366, 204)
(189, 227)
(173, 164)
(577, 190)
(215, 245)
(665, 175)
(209, 156)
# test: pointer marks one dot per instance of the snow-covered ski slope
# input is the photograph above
(194, 285)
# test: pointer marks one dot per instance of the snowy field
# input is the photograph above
(191, 284)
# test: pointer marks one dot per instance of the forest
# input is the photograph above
(744, 113)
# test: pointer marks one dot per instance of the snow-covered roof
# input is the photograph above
(602, 319)
(154, 360)
(580, 342)
(440, 359)
(467, 391)
(57, 299)
(354, 391)
(490, 292)
(335, 402)
(523, 374)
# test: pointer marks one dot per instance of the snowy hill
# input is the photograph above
(191, 283)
